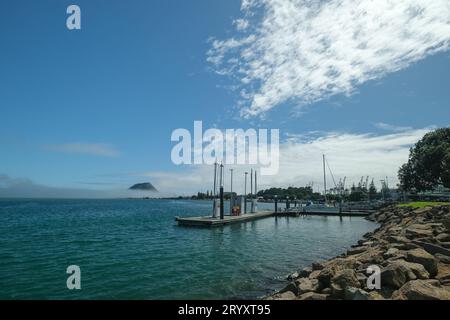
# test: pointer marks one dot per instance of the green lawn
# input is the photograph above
(423, 204)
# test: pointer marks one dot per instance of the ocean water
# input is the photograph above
(133, 249)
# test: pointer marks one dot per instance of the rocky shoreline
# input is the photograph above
(411, 248)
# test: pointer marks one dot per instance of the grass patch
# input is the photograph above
(423, 204)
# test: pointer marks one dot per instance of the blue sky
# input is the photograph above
(95, 108)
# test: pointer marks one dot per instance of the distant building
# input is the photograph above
(438, 194)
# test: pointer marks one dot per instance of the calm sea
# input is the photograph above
(132, 249)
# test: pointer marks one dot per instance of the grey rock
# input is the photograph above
(288, 295)
(293, 276)
(433, 248)
(291, 287)
(421, 290)
(342, 280)
(396, 275)
(307, 285)
(317, 266)
(313, 296)
(424, 258)
(442, 258)
(352, 293)
(305, 272)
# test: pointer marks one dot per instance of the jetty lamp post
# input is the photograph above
(245, 193)
(255, 206)
(251, 191)
(231, 185)
(231, 193)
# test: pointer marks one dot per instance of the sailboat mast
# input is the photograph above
(324, 179)
(251, 184)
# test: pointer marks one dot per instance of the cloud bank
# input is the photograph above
(26, 188)
(349, 155)
(102, 150)
(305, 51)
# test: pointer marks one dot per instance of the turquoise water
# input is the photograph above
(132, 249)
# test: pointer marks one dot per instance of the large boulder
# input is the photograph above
(419, 270)
(352, 293)
(315, 274)
(397, 239)
(332, 267)
(342, 280)
(443, 237)
(288, 295)
(325, 276)
(396, 274)
(424, 258)
(305, 272)
(442, 258)
(445, 244)
(356, 250)
(421, 290)
(446, 222)
(391, 252)
(443, 274)
(307, 285)
(373, 255)
(433, 248)
(291, 287)
(293, 276)
(414, 233)
(317, 266)
(313, 296)
(374, 295)
(362, 278)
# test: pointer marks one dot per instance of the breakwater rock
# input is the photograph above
(410, 249)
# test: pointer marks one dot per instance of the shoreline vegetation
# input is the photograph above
(411, 247)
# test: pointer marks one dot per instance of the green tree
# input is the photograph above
(428, 164)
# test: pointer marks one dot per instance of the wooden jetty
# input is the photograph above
(208, 221)
(217, 222)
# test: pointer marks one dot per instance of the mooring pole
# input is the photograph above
(276, 203)
(215, 190)
(221, 191)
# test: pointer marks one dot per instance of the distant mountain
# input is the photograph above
(147, 186)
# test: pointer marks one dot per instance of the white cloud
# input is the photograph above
(305, 51)
(390, 127)
(241, 24)
(349, 154)
(103, 150)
